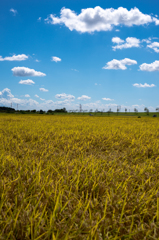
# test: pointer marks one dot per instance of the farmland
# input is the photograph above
(79, 177)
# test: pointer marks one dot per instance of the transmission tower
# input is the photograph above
(80, 108)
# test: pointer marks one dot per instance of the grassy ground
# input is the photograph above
(79, 177)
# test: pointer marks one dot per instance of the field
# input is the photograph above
(79, 177)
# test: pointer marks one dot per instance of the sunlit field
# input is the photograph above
(79, 177)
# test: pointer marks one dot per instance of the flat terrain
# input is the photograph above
(79, 177)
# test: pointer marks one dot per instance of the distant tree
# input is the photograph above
(33, 111)
(125, 110)
(146, 110)
(41, 111)
(135, 110)
(157, 109)
(7, 109)
(91, 110)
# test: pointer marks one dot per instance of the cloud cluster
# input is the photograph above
(20, 57)
(145, 85)
(128, 43)
(65, 96)
(27, 82)
(6, 98)
(25, 72)
(56, 59)
(154, 46)
(119, 64)
(43, 90)
(84, 98)
(108, 99)
(99, 19)
(150, 67)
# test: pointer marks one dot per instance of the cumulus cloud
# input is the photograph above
(150, 67)
(99, 19)
(20, 57)
(39, 19)
(117, 40)
(42, 99)
(43, 90)
(27, 95)
(145, 85)
(6, 93)
(154, 46)
(107, 99)
(84, 98)
(65, 96)
(25, 72)
(56, 59)
(6, 98)
(13, 11)
(128, 43)
(119, 64)
(27, 82)
(36, 96)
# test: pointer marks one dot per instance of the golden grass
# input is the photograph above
(79, 177)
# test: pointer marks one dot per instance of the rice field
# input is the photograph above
(79, 177)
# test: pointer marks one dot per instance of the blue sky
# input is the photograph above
(100, 54)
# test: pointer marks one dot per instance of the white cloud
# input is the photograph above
(56, 59)
(117, 40)
(13, 11)
(84, 98)
(27, 82)
(20, 57)
(150, 67)
(39, 19)
(139, 85)
(99, 19)
(6, 98)
(128, 43)
(65, 96)
(154, 46)
(36, 96)
(108, 99)
(43, 90)
(119, 64)
(6, 93)
(74, 70)
(37, 60)
(24, 72)
(146, 40)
